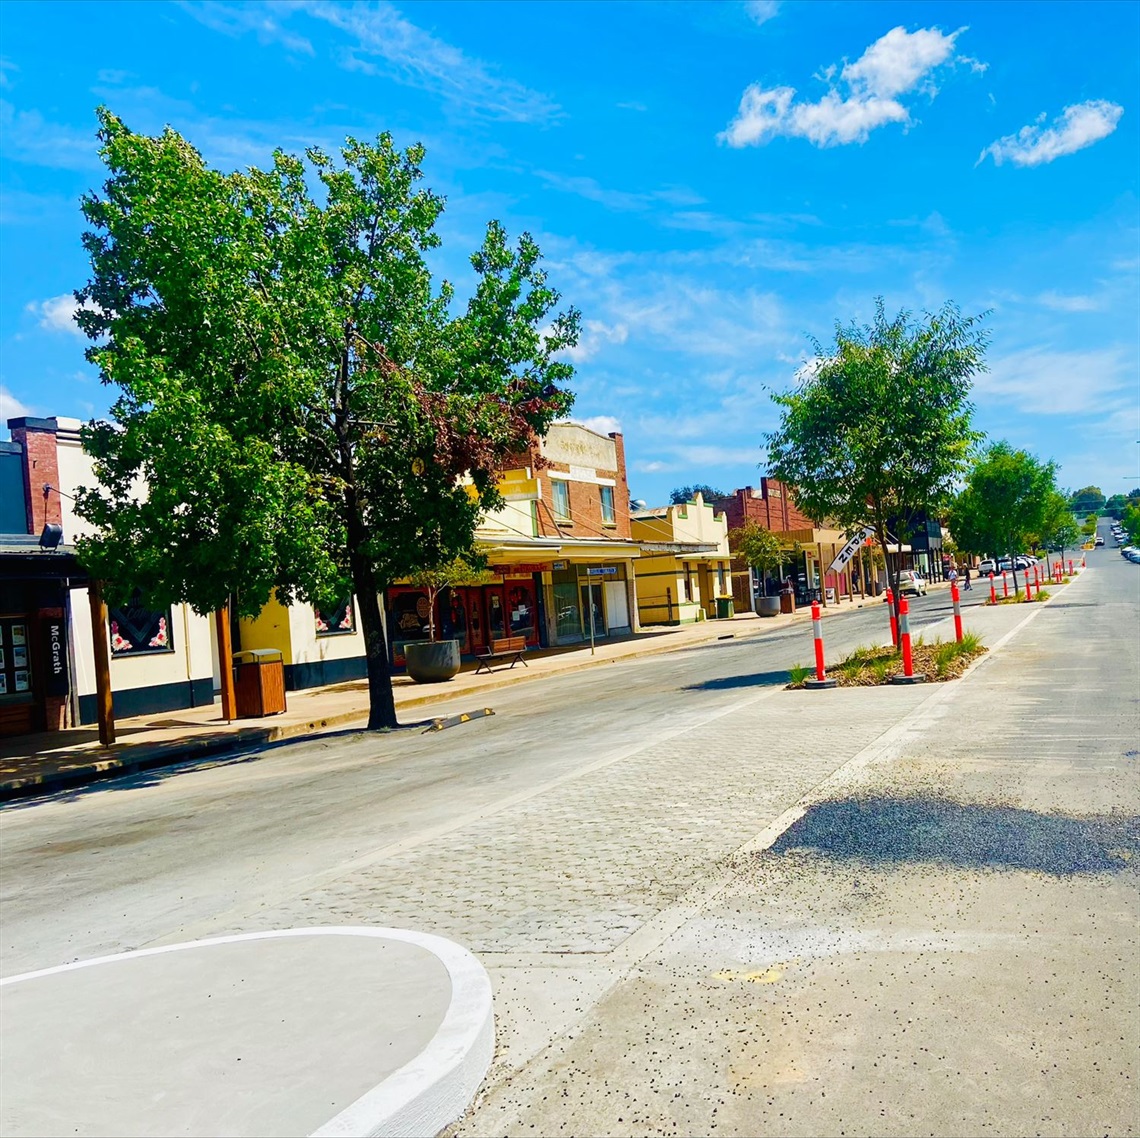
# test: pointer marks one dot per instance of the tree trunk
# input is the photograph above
(892, 580)
(381, 699)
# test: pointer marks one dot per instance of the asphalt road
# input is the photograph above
(127, 862)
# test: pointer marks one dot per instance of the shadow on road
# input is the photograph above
(756, 679)
(896, 830)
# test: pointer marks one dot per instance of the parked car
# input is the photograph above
(985, 568)
(1134, 556)
(1023, 561)
(1099, 540)
(911, 582)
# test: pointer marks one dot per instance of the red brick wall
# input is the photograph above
(586, 502)
(42, 468)
(775, 508)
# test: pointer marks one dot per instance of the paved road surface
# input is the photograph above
(591, 843)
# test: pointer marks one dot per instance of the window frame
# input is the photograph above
(558, 488)
(319, 616)
(161, 619)
(604, 493)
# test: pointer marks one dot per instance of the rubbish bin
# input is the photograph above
(724, 608)
(259, 685)
(787, 601)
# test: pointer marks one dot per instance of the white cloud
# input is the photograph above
(761, 11)
(603, 424)
(256, 18)
(11, 407)
(1076, 127)
(653, 466)
(621, 200)
(866, 97)
(385, 40)
(29, 138)
(1043, 381)
(6, 65)
(1058, 302)
(594, 336)
(57, 313)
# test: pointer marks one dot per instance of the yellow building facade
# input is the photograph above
(685, 563)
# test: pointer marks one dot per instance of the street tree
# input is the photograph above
(300, 409)
(1089, 499)
(878, 428)
(1003, 503)
(683, 494)
(1059, 530)
(759, 548)
(454, 574)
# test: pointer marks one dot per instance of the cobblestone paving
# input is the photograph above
(582, 866)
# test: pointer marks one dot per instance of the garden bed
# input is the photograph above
(869, 667)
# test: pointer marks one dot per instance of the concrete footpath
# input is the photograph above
(34, 764)
(328, 1031)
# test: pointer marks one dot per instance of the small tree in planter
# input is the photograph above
(759, 548)
(431, 661)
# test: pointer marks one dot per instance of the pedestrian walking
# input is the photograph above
(952, 575)
(966, 578)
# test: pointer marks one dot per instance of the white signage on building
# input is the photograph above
(845, 555)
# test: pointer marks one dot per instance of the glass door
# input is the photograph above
(593, 606)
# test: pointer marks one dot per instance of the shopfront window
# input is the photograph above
(336, 620)
(139, 631)
(568, 619)
(496, 619)
(15, 662)
(521, 609)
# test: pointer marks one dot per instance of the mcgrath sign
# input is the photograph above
(55, 655)
(844, 556)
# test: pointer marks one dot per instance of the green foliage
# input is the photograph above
(798, 674)
(299, 399)
(758, 547)
(1058, 529)
(1131, 523)
(683, 494)
(453, 574)
(1003, 503)
(879, 427)
(1087, 499)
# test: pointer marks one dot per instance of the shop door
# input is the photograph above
(497, 627)
(522, 611)
(593, 605)
(476, 621)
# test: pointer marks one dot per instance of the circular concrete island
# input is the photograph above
(327, 1031)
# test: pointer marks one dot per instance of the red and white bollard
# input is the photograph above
(1004, 584)
(894, 623)
(955, 597)
(993, 591)
(1070, 568)
(1028, 587)
(908, 674)
(820, 680)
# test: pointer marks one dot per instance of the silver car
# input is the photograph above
(911, 582)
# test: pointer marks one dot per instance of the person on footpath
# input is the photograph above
(952, 576)
(966, 578)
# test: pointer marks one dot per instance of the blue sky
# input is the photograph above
(710, 184)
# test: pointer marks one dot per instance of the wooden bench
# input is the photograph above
(508, 648)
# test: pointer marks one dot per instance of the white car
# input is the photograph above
(911, 582)
(987, 567)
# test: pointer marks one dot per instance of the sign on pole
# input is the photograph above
(844, 556)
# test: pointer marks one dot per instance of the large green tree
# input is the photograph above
(877, 430)
(300, 408)
(1004, 503)
(759, 548)
(1059, 529)
(1089, 499)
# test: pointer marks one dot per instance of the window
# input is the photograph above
(139, 631)
(561, 494)
(336, 620)
(608, 516)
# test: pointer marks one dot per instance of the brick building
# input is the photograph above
(774, 507)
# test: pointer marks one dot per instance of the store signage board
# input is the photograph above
(601, 571)
(845, 555)
(55, 655)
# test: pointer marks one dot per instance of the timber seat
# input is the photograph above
(507, 648)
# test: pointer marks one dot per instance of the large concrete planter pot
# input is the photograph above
(432, 662)
(768, 606)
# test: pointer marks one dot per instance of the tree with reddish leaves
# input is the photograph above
(310, 414)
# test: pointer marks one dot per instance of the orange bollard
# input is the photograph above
(1004, 584)
(904, 636)
(894, 623)
(955, 597)
(993, 591)
(1070, 567)
(817, 632)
